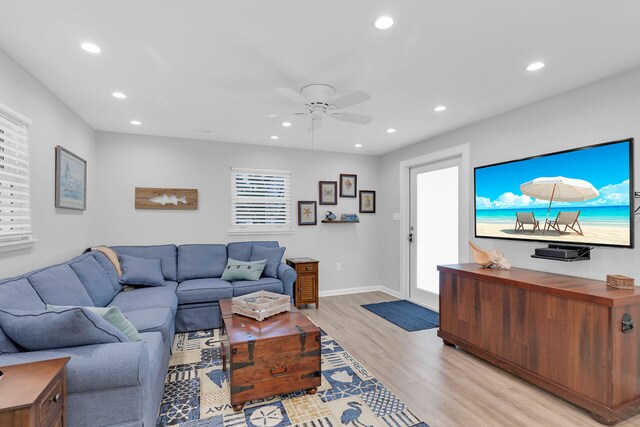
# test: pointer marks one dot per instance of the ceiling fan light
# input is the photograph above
(384, 22)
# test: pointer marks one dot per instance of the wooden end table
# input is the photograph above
(305, 288)
(279, 355)
(34, 394)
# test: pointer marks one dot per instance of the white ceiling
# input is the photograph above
(190, 66)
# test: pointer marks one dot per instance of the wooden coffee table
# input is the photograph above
(279, 355)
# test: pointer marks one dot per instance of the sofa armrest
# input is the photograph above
(287, 275)
(95, 367)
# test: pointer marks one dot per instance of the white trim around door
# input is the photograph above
(461, 151)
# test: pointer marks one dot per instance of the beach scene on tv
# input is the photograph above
(580, 196)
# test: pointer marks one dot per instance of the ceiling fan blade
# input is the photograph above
(350, 99)
(292, 95)
(360, 119)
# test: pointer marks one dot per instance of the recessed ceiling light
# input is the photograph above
(135, 122)
(272, 115)
(535, 66)
(286, 124)
(119, 95)
(440, 108)
(358, 145)
(90, 47)
(273, 137)
(391, 130)
(384, 22)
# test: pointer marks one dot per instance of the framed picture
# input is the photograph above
(328, 192)
(367, 201)
(71, 180)
(348, 185)
(307, 213)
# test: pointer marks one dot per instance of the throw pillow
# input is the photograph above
(243, 270)
(112, 315)
(6, 345)
(141, 271)
(44, 330)
(273, 257)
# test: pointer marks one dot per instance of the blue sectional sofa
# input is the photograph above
(122, 383)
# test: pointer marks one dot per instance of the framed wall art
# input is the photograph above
(367, 201)
(348, 185)
(328, 192)
(71, 180)
(307, 213)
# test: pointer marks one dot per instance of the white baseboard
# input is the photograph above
(362, 289)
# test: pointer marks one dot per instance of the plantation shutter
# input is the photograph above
(15, 196)
(260, 200)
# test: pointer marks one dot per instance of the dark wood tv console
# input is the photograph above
(571, 336)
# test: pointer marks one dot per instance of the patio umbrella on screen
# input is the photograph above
(560, 189)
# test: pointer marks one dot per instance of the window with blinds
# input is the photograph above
(260, 200)
(15, 196)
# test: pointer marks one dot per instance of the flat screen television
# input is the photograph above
(580, 196)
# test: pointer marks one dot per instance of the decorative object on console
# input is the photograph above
(166, 198)
(328, 192)
(367, 201)
(71, 180)
(620, 282)
(307, 213)
(348, 185)
(349, 217)
(489, 259)
(330, 216)
(260, 305)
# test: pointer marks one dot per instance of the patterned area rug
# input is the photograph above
(197, 393)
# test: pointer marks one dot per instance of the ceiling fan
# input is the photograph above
(318, 101)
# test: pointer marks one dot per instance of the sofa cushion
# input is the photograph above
(109, 268)
(201, 261)
(155, 349)
(273, 257)
(19, 295)
(242, 250)
(141, 271)
(153, 320)
(59, 285)
(151, 297)
(113, 315)
(6, 344)
(203, 290)
(42, 330)
(94, 279)
(167, 253)
(243, 270)
(243, 287)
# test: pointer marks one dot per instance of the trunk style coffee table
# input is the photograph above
(279, 355)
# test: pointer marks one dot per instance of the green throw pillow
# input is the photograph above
(112, 315)
(243, 270)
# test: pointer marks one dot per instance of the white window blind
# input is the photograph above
(15, 195)
(260, 200)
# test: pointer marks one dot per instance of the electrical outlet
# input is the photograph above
(338, 266)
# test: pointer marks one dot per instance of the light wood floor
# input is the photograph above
(441, 385)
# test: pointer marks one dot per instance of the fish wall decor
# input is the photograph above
(166, 198)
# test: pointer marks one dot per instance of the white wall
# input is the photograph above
(603, 111)
(128, 161)
(61, 233)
